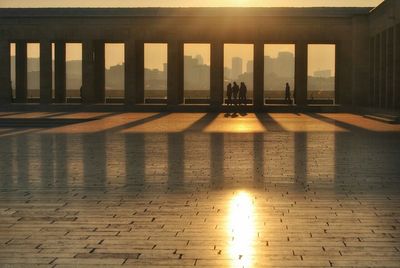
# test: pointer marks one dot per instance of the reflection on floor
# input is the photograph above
(207, 190)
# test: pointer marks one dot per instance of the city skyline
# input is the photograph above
(278, 71)
(245, 64)
(156, 54)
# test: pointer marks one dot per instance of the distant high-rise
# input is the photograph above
(199, 59)
(281, 66)
(237, 67)
(285, 64)
(197, 76)
(249, 66)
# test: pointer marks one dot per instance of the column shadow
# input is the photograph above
(135, 160)
(47, 158)
(176, 158)
(202, 123)
(61, 160)
(340, 124)
(94, 160)
(258, 160)
(300, 158)
(269, 123)
(11, 114)
(22, 158)
(136, 122)
(217, 160)
(6, 163)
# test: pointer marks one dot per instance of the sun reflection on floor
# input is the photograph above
(241, 230)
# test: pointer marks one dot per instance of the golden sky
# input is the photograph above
(183, 3)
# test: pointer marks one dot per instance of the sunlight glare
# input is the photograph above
(241, 230)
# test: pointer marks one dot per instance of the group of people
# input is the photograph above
(236, 95)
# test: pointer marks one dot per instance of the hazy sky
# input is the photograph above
(183, 3)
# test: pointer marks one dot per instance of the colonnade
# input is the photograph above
(93, 77)
(384, 68)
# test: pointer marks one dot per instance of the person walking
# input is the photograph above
(229, 94)
(235, 91)
(243, 93)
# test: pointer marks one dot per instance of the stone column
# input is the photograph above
(5, 75)
(21, 71)
(88, 74)
(301, 73)
(130, 72)
(217, 74)
(175, 73)
(343, 82)
(139, 72)
(361, 84)
(389, 68)
(372, 77)
(258, 93)
(396, 97)
(99, 66)
(46, 74)
(377, 70)
(382, 102)
(60, 72)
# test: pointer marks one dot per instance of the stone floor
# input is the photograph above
(203, 190)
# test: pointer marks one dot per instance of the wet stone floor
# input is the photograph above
(202, 190)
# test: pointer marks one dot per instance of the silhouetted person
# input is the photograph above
(287, 94)
(243, 93)
(229, 93)
(235, 91)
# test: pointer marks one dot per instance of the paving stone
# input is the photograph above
(267, 190)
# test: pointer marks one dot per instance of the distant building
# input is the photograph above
(285, 64)
(237, 67)
(281, 66)
(323, 73)
(155, 79)
(115, 77)
(278, 72)
(197, 76)
(250, 66)
(199, 59)
(227, 73)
